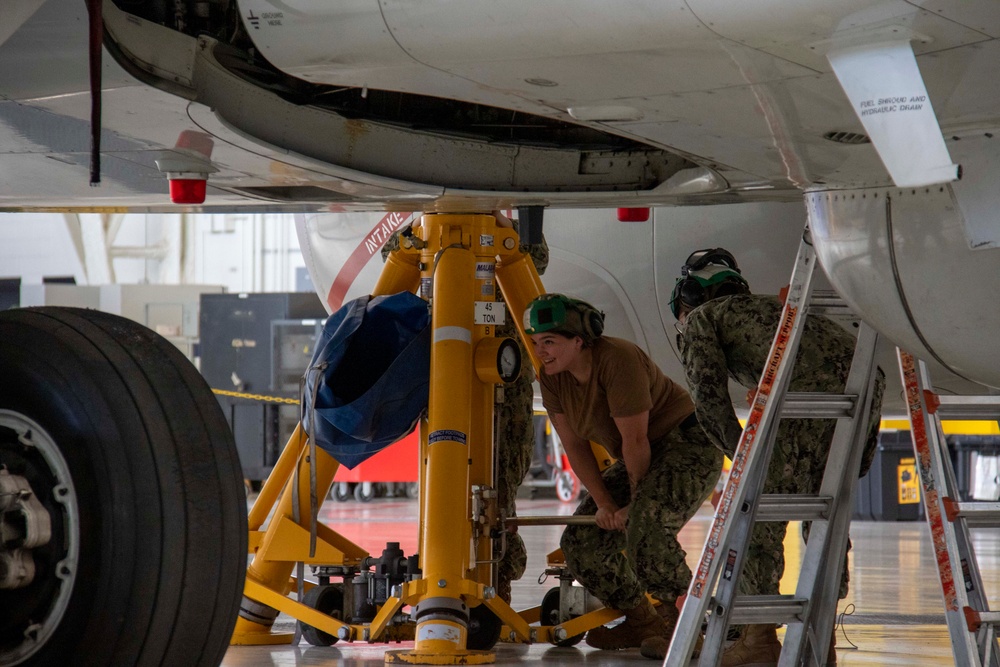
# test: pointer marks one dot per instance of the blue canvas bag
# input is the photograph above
(367, 384)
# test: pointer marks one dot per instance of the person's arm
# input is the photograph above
(503, 220)
(635, 446)
(708, 381)
(581, 458)
(636, 452)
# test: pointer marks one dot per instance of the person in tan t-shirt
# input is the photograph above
(608, 390)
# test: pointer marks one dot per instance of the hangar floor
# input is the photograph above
(894, 613)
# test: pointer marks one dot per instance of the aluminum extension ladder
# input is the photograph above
(971, 624)
(809, 613)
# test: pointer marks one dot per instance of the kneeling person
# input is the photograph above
(608, 390)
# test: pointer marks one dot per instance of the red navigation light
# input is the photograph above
(633, 214)
(187, 190)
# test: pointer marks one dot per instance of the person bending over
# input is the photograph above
(607, 390)
(726, 333)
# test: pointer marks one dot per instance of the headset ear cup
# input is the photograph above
(692, 293)
(591, 319)
(596, 323)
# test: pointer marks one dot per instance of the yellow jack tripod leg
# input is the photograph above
(254, 623)
(282, 470)
(520, 283)
(255, 620)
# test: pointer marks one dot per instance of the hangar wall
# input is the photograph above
(243, 252)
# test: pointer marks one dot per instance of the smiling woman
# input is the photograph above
(557, 352)
(607, 390)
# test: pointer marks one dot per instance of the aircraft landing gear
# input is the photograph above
(32, 503)
(128, 491)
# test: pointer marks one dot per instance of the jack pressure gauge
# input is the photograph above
(509, 360)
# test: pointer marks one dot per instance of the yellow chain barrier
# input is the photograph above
(257, 397)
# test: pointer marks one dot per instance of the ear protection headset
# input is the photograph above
(691, 289)
(551, 312)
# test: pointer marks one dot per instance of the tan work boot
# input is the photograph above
(640, 622)
(758, 646)
(656, 647)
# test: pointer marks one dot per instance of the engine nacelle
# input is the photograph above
(904, 260)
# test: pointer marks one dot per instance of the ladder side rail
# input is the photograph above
(936, 435)
(975, 591)
(763, 416)
(964, 646)
(741, 523)
(969, 567)
(985, 636)
(972, 578)
(986, 641)
(823, 561)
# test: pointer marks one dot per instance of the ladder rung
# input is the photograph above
(818, 406)
(793, 507)
(968, 407)
(767, 609)
(823, 302)
(977, 514)
(974, 619)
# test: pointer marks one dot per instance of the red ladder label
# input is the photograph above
(918, 430)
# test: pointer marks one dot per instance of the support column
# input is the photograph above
(458, 254)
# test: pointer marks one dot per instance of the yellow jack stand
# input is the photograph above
(453, 260)
(459, 272)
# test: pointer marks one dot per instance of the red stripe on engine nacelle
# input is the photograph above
(371, 244)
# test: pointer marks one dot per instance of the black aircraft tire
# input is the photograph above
(159, 507)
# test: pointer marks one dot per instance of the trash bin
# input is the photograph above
(891, 490)
(976, 461)
(863, 499)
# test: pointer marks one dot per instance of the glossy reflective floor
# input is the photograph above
(894, 613)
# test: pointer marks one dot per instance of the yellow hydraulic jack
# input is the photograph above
(458, 272)
(457, 262)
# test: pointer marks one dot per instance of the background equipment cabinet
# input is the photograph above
(259, 345)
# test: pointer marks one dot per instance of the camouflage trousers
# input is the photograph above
(801, 448)
(620, 567)
(800, 452)
(515, 441)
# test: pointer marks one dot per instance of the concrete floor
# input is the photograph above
(894, 612)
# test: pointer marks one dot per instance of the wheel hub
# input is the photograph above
(24, 525)
(39, 536)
